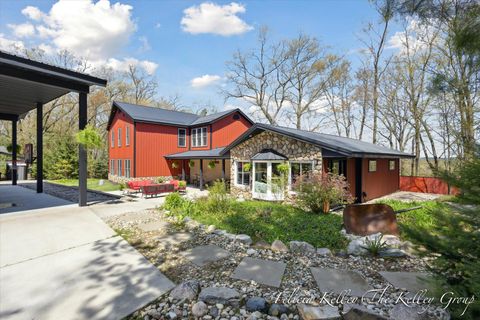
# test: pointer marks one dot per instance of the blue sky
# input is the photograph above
(151, 32)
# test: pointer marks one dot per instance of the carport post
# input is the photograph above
(201, 174)
(183, 169)
(223, 170)
(14, 152)
(39, 147)
(82, 152)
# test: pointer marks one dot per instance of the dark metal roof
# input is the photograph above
(269, 154)
(169, 117)
(200, 154)
(24, 83)
(341, 145)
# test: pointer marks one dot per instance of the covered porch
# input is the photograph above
(200, 167)
(27, 85)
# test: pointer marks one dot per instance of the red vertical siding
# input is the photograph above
(228, 129)
(123, 152)
(351, 175)
(381, 182)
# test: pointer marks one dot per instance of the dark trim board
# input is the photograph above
(9, 117)
(358, 180)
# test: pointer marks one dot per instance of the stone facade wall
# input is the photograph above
(293, 149)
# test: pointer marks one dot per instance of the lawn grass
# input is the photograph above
(91, 184)
(271, 221)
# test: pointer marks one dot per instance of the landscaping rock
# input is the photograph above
(357, 247)
(279, 246)
(403, 312)
(243, 238)
(210, 229)
(251, 252)
(214, 312)
(324, 252)
(220, 232)
(223, 295)
(301, 247)
(277, 309)
(392, 241)
(199, 309)
(392, 253)
(356, 312)
(256, 304)
(327, 312)
(261, 245)
(171, 315)
(187, 290)
(230, 236)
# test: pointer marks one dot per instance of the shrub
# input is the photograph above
(218, 197)
(89, 137)
(317, 191)
(375, 246)
(211, 164)
(173, 201)
(191, 163)
(160, 180)
(247, 167)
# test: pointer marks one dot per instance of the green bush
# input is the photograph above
(173, 201)
(218, 197)
(89, 137)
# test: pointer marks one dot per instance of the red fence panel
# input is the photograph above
(425, 185)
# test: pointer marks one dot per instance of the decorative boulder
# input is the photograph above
(199, 309)
(308, 312)
(356, 312)
(187, 290)
(324, 252)
(256, 304)
(279, 246)
(222, 295)
(277, 310)
(357, 247)
(243, 238)
(301, 247)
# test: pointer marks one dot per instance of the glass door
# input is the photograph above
(267, 182)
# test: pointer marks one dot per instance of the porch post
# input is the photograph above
(201, 174)
(14, 152)
(223, 170)
(39, 147)
(82, 153)
(183, 169)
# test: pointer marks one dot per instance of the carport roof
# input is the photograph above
(24, 83)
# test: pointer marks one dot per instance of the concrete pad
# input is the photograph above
(28, 236)
(411, 281)
(339, 281)
(106, 279)
(265, 272)
(26, 199)
(174, 239)
(154, 226)
(203, 255)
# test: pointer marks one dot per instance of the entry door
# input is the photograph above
(266, 181)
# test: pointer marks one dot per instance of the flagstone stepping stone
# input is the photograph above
(174, 239)
(154, 226)
(411, 281)
(203, 255)
(338, 281)
(308, 312)
(265, 272)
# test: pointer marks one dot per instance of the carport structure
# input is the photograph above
(26, 85)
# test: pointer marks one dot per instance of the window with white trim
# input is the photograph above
(199, 137)
(112, 167)
(127, 168)
(298, 170)
(391, 164)
(182, 137)
(119, 142)
(372, 165)
(242, 177)
(112, 143)
(119, 168)
(127, 135)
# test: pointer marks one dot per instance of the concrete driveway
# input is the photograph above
(65, 263)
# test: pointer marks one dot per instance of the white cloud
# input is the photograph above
(33, 13)
(22, 30)
(413, 38)
(209, 17)
(10, 45)
(158, 25)
(204, 81)
(145, 45)
(122, 65)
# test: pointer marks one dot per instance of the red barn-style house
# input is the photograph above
(147, 142)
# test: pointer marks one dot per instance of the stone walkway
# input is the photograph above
(340, 281)
(265, 272)
(203, 255)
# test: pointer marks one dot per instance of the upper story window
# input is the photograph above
(119, 137)
(127, 135)
(372, 165)
(391, 164)
(199, 137)
(182, 137)
(112, 143)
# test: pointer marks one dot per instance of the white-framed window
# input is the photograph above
(391, 164)
(182, 137)
(127, 135)
(112, 166)
(127, 168)
(299, 169)
(199, 137)
(372, 165)
(242, 177)
(112, 142)
(119, 168)
(119, 142)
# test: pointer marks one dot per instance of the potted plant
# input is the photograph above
(211, 164)
(319, 191)
(191, 163)
(247, 167)
(175, 164)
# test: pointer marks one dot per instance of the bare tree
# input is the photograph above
(143, 87)
(363, 94)
(256, 77)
